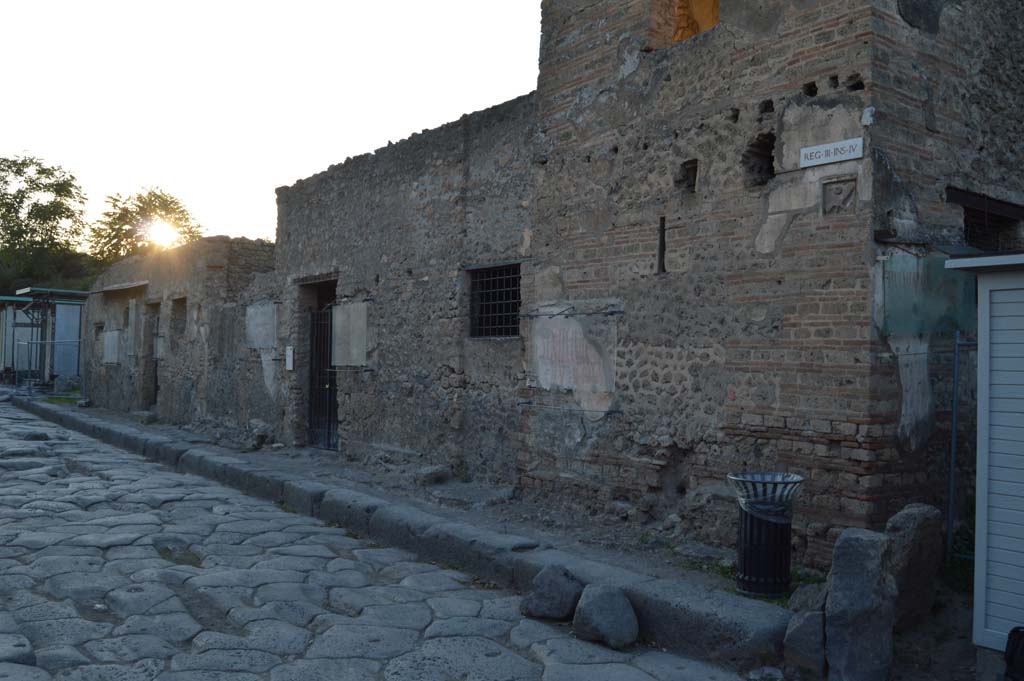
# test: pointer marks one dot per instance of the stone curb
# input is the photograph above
(690, 619)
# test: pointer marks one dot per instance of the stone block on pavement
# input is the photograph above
(809, 597)
(350, 509)
(401, 525)
(708, 623)
(861, 609)
(484, 552)
(304, 496)
(527, 565)
(554, 594)
(605, 615)
(916, 536)
(805, 642)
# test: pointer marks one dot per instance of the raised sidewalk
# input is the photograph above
(675, 614)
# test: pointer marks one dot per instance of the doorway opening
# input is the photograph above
(151, 356)
(322, 426)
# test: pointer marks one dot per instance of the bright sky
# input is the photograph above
(219, 102)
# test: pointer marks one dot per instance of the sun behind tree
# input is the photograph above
(142, 223)
(163, 234)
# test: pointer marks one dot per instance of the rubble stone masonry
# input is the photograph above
(696, 299)
(166, 333)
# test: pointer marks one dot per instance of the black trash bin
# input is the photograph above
(766, 528)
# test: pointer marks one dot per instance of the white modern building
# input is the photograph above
(999, 547)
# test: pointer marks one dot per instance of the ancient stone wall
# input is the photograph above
(730, 289)
(397, 230)
(166, 332)
(695, 302)
(947, 80)
(702, 292)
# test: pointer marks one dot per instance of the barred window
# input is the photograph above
(991, 232)
(990, 225)
(494, 302)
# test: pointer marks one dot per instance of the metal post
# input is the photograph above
(954, 446)
(951, 502)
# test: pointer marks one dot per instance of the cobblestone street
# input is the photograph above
(116, 569)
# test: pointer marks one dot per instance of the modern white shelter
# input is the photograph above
(999, 538)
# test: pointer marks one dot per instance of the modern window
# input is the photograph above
(495, 300)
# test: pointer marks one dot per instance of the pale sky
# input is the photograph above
(219, 102)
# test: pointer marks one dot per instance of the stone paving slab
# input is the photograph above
(693, 619)
(131, 572)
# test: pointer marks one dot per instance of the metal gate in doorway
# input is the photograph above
(323, 383)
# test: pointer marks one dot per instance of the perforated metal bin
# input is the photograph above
(766, 529)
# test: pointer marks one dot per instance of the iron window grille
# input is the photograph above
(990, 225)
(992, 233)
(495, 300)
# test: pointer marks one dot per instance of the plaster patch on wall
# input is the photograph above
(349, 348)
(575, 354)
(524, 248)
(630, 64)
(772, 231)
(916, 393)
(267, 364)
(809, 191)
(261, 326)
(548, 283)
(759, 18)
(823, 121)
(111, 347)
(895, 207)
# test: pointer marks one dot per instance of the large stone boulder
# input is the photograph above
(916, 536)
(805, 643)
(809, 597)
(554, 594)
(605, 615)
(861, 608)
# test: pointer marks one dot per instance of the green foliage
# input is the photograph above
(124, 229)
(41, 207)
(41, 224)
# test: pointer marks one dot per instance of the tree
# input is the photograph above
(142, 223)
(41, 208)
(41, 225)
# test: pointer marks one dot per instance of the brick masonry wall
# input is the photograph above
(948, 80)
(787, 351)
(753, 349)
(763, 328)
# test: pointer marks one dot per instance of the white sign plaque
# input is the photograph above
(833, 152)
